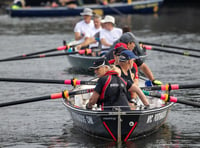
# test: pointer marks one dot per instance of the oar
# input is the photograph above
(169, 46)
(170, 51)
(40, 52)
(86, 51)
(64, 94)
(172, 87)
(167, 98)
(72, 82)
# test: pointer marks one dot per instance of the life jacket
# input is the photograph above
(120, 98)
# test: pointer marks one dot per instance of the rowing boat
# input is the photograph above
(136, 7)
(116, 125)
(82, 62)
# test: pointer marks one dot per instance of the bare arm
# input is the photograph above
(86, 42)
(78, 36)
(135, 88)
(104, 42)
(93, 99)
(145, 69)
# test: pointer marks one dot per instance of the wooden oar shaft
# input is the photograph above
(167, 98)
(169, 46)
(72, 81)
(195, 104)
(36, 53)
(64, 94)
(25, 101)
(32, 80)
(85, 51)
(175, 52)
(172, 87)
(39, 56)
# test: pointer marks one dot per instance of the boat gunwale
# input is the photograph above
(131, 112)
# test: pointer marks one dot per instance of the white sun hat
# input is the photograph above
(109, 19)
(87, 11)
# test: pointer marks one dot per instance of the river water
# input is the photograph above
(48, 124)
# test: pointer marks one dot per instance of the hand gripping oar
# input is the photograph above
(72, 82)
(170, 51)
(85, 51)
(168, 98)
(172, 87)
(40, 52)
(65, 94)
(169, 46)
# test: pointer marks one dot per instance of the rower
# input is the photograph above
(111, 90)
(82, 28)
(129, 39)
(92, 41)
(109, 34)
(125, 65)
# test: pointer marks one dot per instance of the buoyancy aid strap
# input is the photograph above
(123, 80)
(111, 72)
(105, 87)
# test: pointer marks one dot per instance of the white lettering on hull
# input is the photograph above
(156, 117)
(82, 118)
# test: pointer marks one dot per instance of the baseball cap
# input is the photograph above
(120, 44)
(127, 55)
(118, 50)
(98, 63)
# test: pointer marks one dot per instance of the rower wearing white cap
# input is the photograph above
(110, 33)
(83, 27)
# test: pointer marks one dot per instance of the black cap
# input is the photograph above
(118, 50)
(98, 63)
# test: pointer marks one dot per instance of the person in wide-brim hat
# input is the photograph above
(87, 11)
(109, 19)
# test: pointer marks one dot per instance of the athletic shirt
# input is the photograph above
(84, 28)
(110, 36)
(127, 78)
(95, 33)
(113, 91)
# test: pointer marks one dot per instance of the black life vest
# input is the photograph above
(117, 92)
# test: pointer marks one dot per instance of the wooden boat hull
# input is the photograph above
(140, 7)
(134, 124)
(117, 125)
(81, 62)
